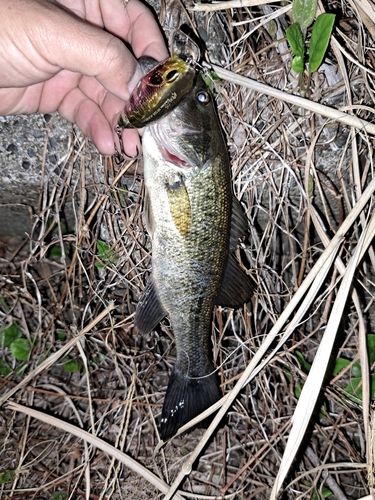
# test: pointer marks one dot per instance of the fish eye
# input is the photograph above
(170, 76)
(203, 97)
(156, 78)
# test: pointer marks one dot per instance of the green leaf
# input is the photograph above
(59, 495)
(8, 334)
(61, 335)
(371, 348)
(20, 349)
(340, 364)
(356, 369)
(354, 389)
(295, 40)
(56, 252)
(297, 390)
(304, 364)
(298, 64)
(303, 12)
(102, 248)
(7, 476)
(5, 369)
(4, 303)
(320, 36)
(209, 78)
(72, 365)
(326, 492)
(272, 29)
(106, 254)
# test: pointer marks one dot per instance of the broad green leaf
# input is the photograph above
(56, 252)
(356, 369)
(354, 389)
(321, 33)
(61, 335)
(102, 248)
(326, 492)
(7, 476)
(298, 65)
(4, 368)
(20, 349)
(72, 366)
(340, 364)
(303, 12)
(8, 334)
(295, 40)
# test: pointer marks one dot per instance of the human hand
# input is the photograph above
(57, 57)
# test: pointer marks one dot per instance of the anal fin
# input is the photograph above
(149, 310)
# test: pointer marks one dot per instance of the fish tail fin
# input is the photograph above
(186, 398)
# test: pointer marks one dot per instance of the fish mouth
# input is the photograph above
(173, 158)
(165, 138)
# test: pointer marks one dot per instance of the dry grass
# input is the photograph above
(306, 182)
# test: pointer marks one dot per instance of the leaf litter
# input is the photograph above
(290, 426)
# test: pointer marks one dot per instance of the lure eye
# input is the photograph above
(156, 78)
(171, 76)
(203, 97)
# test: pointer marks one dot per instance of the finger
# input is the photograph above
(136, 24)
(56, 89)
(77, 108)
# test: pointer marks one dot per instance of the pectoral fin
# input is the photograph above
(149, 310)
(148, 215)
(236, 287)
(179, 206)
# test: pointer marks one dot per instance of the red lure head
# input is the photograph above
(158, 92)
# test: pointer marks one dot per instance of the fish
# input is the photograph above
(194, 223)
(157, 92)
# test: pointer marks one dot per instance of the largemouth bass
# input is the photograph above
(194, 224)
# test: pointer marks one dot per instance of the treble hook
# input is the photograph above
(120, 155)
